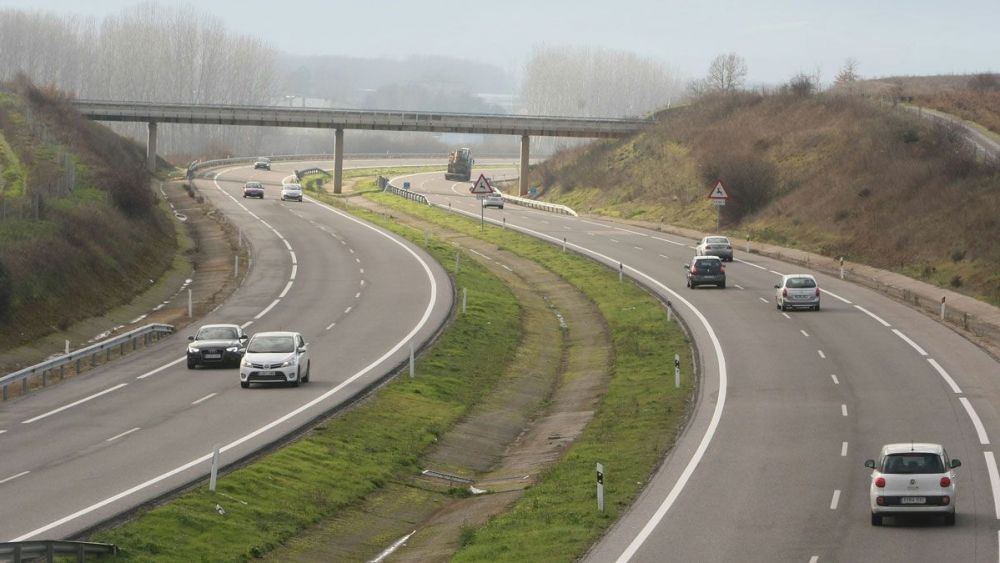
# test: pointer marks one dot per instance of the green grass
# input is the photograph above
(11, 174)
(557, 519)
(346, 458)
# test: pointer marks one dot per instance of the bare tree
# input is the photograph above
(727, 73)
(984, 82)
(848, 74)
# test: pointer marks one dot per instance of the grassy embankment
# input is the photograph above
(354, 454)
(835, 175)
(974, 98)
(80, 227)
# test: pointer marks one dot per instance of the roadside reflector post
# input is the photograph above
(669, 313)
(564, 244)
(67, 348)
(841, 267)
(411, 359)
(621, 271)
(677, 371)
(505, 222)
(600, 487)
(190, 306)
(456, 262)
(465, 299)
(748, 243)
(215, 469)
(236, 266)
(942, 308)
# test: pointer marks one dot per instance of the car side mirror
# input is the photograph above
(244, 337)
(777, 286)
(686, 266)
(955, 463)
(191, 338)
(870, 463)
(302, 349)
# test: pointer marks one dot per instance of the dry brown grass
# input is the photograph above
(838, 175)
(972, 97)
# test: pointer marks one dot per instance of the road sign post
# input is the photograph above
(677, 371)
(481, 189)
(719, 196)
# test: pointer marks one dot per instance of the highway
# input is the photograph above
(96, 445)
(790, 405)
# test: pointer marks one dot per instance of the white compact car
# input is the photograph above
(291, 191)
(494, 199)
(912, 478)
(275, 357)
(797, 291)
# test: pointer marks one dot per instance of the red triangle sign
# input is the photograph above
(719, 192)
(482, 186)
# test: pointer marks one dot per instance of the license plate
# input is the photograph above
(212, 356)
(266, 373)
(913, 500)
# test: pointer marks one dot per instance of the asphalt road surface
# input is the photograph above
(93, 446)
(790, 405)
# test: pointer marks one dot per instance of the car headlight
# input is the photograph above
(233, 349)
(192, 350)
(246, 363)
(288, 363)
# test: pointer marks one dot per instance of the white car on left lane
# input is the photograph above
(275, 357)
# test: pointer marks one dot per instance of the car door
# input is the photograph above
(303, 352)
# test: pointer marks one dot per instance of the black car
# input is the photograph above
(217, 345)
(262, 162)
(706, 270)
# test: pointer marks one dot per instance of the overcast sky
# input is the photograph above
(778, 38)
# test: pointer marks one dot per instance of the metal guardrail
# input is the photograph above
(541, 205)
(412, 196)
(311, 171)
(148, 333)
(17, 552)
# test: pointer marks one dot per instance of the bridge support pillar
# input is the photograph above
(151, 147)
(522, 181)
(338, 161)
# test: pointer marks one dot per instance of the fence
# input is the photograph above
(148, 333)
(412, 196)
(17, 552)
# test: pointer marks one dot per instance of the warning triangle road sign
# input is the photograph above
(482, 186)
(719, 192)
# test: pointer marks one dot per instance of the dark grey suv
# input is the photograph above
(706, 270)
(217, 345)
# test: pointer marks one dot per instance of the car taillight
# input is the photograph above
(880, 482)
(817, 292)
(784, 293)
(945, 482)
(723, 267)
(694, 270)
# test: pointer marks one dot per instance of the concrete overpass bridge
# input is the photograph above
(338, 119)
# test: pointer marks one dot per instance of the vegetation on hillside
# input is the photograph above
(833, 174)
(80, 228)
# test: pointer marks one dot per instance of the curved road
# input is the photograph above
(790, 405)
(93, 446)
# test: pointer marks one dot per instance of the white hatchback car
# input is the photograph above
(275, 357)
(494, 199)
(912, 478)
(797, 291)
(291, 191)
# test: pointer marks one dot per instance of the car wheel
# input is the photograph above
(876, 519)
(949, 519)
(191, 364)
(722, 285)
(308, 372)
(816, 308)
(783, 307)
(298, 379)
(244, 196)
(245, 384)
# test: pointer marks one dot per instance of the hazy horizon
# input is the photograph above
(777, 39)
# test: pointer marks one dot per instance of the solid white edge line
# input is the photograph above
(843, 449)
(910, 342)
(835, 296)
(947, 378)
(203, 399)
(267, 309)
(776, 273)
(991, 469)
(239, 441)
(12, 477)
(163, 367)
(392, 548)
(980, 429)
(75, 403)
(295, 259)
(123, 434)
(872, 315)
(669, 241)
(835, 500)
(295, 272)
(750, 264)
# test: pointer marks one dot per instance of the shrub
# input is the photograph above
(957, 255)
(956, 281)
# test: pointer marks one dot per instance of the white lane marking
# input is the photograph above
(804, 333)
(670, 241)
(344, 242)
(12, 477)
(75, 403)
(567, 228)
(357, 295)
(835, 380)
(3, 431)
(123, 434)
(814, 559)
(593, 223)
(392, 548)
(631, 232)
(843, 410)
(163, 367)
(776, 273)
(738, 286)
(614, 240)
(664, 257)
(821, 354)
(947, 378)
(267, 309)
(244, 325)
(991, 469)
(285, 291)
(362, 270)
(872, 315)
(980, 429)
(764, 300)
(347, 310)
(843, 449)
(720, 401)
(508, 268)
(786, 315)
(750, 264)
(235, 443)
(480, 254)
(910, 342)
(288, 246)
(358, 260)
(295, 271)
(351, 250)
(362, 283)
(637, 247)
(835, 296)
(331, 326)
(835, 500)
(205, 398)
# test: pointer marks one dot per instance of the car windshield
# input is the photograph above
(271, 345)
(800, 282)
(254, 185)
(717, 240)
(293, 187)
(216, 333)
(912, 462)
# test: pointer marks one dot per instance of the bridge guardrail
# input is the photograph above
(33, 550)
(541, 205)
(412, 196)
(148, 333)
